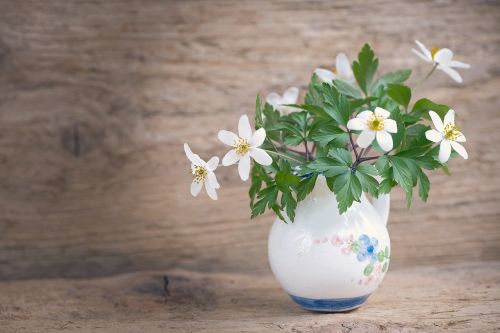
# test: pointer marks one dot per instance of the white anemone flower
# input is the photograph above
(341, 70)
(290, 96)
(447, 134)
(203, 173)
(374, 124)
(442, 58)
(245, 145)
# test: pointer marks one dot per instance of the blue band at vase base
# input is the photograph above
(330, 305)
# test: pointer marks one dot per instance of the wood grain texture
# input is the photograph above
(468, 300)
(97, 97)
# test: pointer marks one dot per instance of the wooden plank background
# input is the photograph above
(97, 98)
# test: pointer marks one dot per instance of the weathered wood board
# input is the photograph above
(97, 97)
(457, 298)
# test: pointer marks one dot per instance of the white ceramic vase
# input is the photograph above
(327, 261)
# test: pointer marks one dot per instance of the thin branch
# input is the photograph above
(352, 145)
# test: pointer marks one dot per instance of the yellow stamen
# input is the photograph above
(200, 173)
(451, 132)
(241, 147)
(334, 70)
(376, 122)
(434, 51)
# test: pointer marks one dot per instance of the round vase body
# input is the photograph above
(327, 261)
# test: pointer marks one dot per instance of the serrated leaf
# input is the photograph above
(424, 105)
(341, 155)
(305, 187)
(368, 183)
(290, 204)
(329, 133)
(347, 189)
(401, 173)
(364, 68)
(392, 77)
(399, 93)
(336, 104)
(347, 89)
(284, 180)
(367, 169)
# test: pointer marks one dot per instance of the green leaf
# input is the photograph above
(284, 180)
(329, 133)
(423, 185)
(392, 77)
(336, 105)
(380, 256)
(312, 109)
(368, 183)
(289, 203)
(267, 197)
(347, 89)
(402, 173)
(314, 95)
(341, 155)
(348, 189)
(399, 93)
(367, 169)
(368, 270)
(259, 121)
(305, 187)
(364, 68)
(424, 105)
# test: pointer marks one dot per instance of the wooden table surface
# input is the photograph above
(97, 98)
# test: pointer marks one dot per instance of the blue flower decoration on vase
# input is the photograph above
(367, 248)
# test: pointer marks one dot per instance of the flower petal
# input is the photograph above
(427, 54)
(244, 167)
(260, 156)
(213, 180)
(192, 157)
(324, 75)
(343, 66)
(291, 95)
(365, 138)
(195, 188)
(228, 138)
(382, 112)
(434, 136)
(391, 126)
(356, 124)
(244, 128)
(274, 100)
(444, 151)
(365, 114)
(421, 55)
(384, 139)
(230, 158)
(210, 191)
(449, 117)
(436, 120)
(460, 138)
(443, 56)
(258, 138)
(457, 64)
(213, 163)
(459, 149)
(451, 73)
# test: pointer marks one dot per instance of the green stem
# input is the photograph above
(282, 155)
(427, 76)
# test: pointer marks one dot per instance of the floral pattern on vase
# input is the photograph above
(366, 249)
